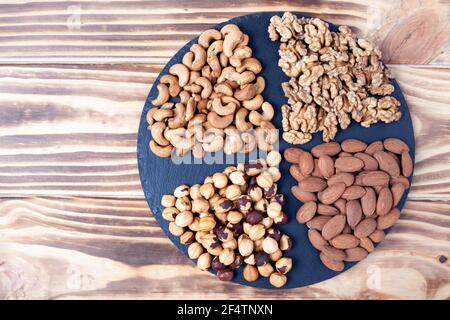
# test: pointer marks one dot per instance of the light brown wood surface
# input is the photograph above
(73, 219)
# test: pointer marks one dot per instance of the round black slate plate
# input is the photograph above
(161, 176)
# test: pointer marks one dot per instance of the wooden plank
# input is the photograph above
(55, 31)
(71, 130)
(105, 248)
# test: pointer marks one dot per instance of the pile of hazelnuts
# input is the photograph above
(228, 222)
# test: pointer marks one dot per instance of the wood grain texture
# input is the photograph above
(409, 31)
(73, 219)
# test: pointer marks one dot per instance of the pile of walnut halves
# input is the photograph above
(333, 75)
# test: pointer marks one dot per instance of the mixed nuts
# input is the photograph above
(349, 192)
(229, 221)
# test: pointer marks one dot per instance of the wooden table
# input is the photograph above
(73, 219)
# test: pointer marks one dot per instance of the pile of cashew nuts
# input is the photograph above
(219, 103)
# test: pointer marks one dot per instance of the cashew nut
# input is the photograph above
(197, 151)
(239, 54)
(228, 99)
(180, 138)
(184, 97)
(266, 136)
(207, 73)
(160, 151)
(206, 85)
(161, 114)
(190, 109)
(213, 140)
(218, 121)
(233, 142)
(163, 95)
(157, 131)
(245, 39)
(260, 84)
(202, 106)
(196, 58)
(198, 119)
(241, 78)
(182, 72)
(221, 109)
(215, 48)
(249, 142)
(245, 94)
(223, 59)
(228, 28)
(179, 119)
(193, 88)
(193, 75)
(149, 116)
(225, 73)
(223, 88)
(267, 114)
(167, 106)
(205, 38)
(240, 121)
(250, 64)
(253, 104)
(172, 81)
(231, 41)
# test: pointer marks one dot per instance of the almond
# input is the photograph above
(355, 254)
(329, 149)
(333, 253)
(332, 193)
(340, 204)
(318, 222)
(353, 213)
(316, 239)
(306, 212)
(330, 263)
(347, 229)
(344, 177)
(369, 202)
(348, 164)
(388, 220)
(326, 166)
(365, 228)
(377, 236)
(312, 184)
(353, 145)
(400, 179)
(384, 202)
(316, 172)
(343, 154)
(292, 155)
(344, 241)
(370, 164)
(359, 180)
(333, 227)
(303, 196)
(407, 164)
(375, 178)
(374, 147)
(353, 192)
(395, 145)
(306, 163)
(367, 244)
(387, 163)
(294, 170)
(397, 191)
(327, 210)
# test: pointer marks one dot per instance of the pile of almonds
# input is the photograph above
(349, 192)
(228, 221)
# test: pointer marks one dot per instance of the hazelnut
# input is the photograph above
(222, 217)
(270, 192)
(253, 168)
(194, 192)
(236, 228)
(281, 219)
(175, 230)
(250, 259)
(222, 192)
(216, 264)
(277, 279)
(258, 245)
(240, 167)
(208, 179)
(256, 232)
(254, 217)
(181, 191)
(225, 275)
(226, 256)
(233, 192)
(277, 255)
(265, 270)
(274, 233)
(243, 204)
(195, 250)
(278, 198)
(284, 265)
(183, 204)
(261, 258)
(234, 216)
(199, 236)
(250, 273)
(223, 233)
(269, 245)
(246, 227)
(245, 246)
(228, 170)
(170, 214)
(194, 226)
(215, 251)
(274, 210)
(168, 200)
(261, 205)
(207, 190)
(184, 219)
(200, 205)
(254, 192)
(264, 180)
(220, 180)
(206, 224)
(210, 241)
(187, 238)
(238, 261)
(275, 173)
(267, 222)
(237, 178)
(231, 244)
(223, 205)
(204, 261)
(285, 243)
(273, 158)
(213, 200)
